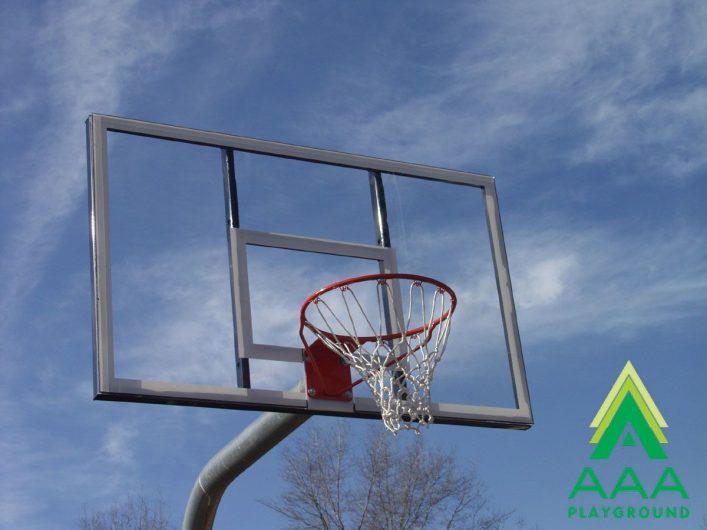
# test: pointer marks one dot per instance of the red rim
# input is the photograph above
(369, 277)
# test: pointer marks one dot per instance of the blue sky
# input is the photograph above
(592, 117)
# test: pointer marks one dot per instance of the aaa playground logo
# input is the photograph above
(628, 416)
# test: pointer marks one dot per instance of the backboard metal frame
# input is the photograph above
(247, 347)
(107, 386)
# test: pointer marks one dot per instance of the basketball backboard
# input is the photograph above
(190, 310)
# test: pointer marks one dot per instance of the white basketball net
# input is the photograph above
(398, 366)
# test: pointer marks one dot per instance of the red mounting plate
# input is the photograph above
(328, 376)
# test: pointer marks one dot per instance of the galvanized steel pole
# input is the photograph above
(244, 450)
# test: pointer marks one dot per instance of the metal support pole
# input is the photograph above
(269, 429)
(233, 221)
(380, 210)
(380, 220)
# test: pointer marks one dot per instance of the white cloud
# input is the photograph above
(17, 501)
(599, 282)
(118, 444)
(84, 58)
(173, 320)
(17, 104)
(665, 132)
(623, 78)
(36, 464)
(546, 280)
(16, 507)
(89, 57)
(570, 282)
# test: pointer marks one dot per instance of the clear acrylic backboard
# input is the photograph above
(204, 246)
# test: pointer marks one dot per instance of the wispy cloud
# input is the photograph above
(623, 77)
(89, 55)
(569, 282)
(117, 443)
(84, 58)
(173, 319)
(36, 464)
(17, 501)
(17, 104)
(600, 282)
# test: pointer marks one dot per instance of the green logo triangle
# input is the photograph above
(628, 404)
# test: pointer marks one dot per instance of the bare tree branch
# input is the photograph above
(385, 484)
(135, 513)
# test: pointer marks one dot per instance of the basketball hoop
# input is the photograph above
(393, 338)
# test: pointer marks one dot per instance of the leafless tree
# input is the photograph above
(382, 484)
(135, 513)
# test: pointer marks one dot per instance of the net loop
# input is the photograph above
(393, 338)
